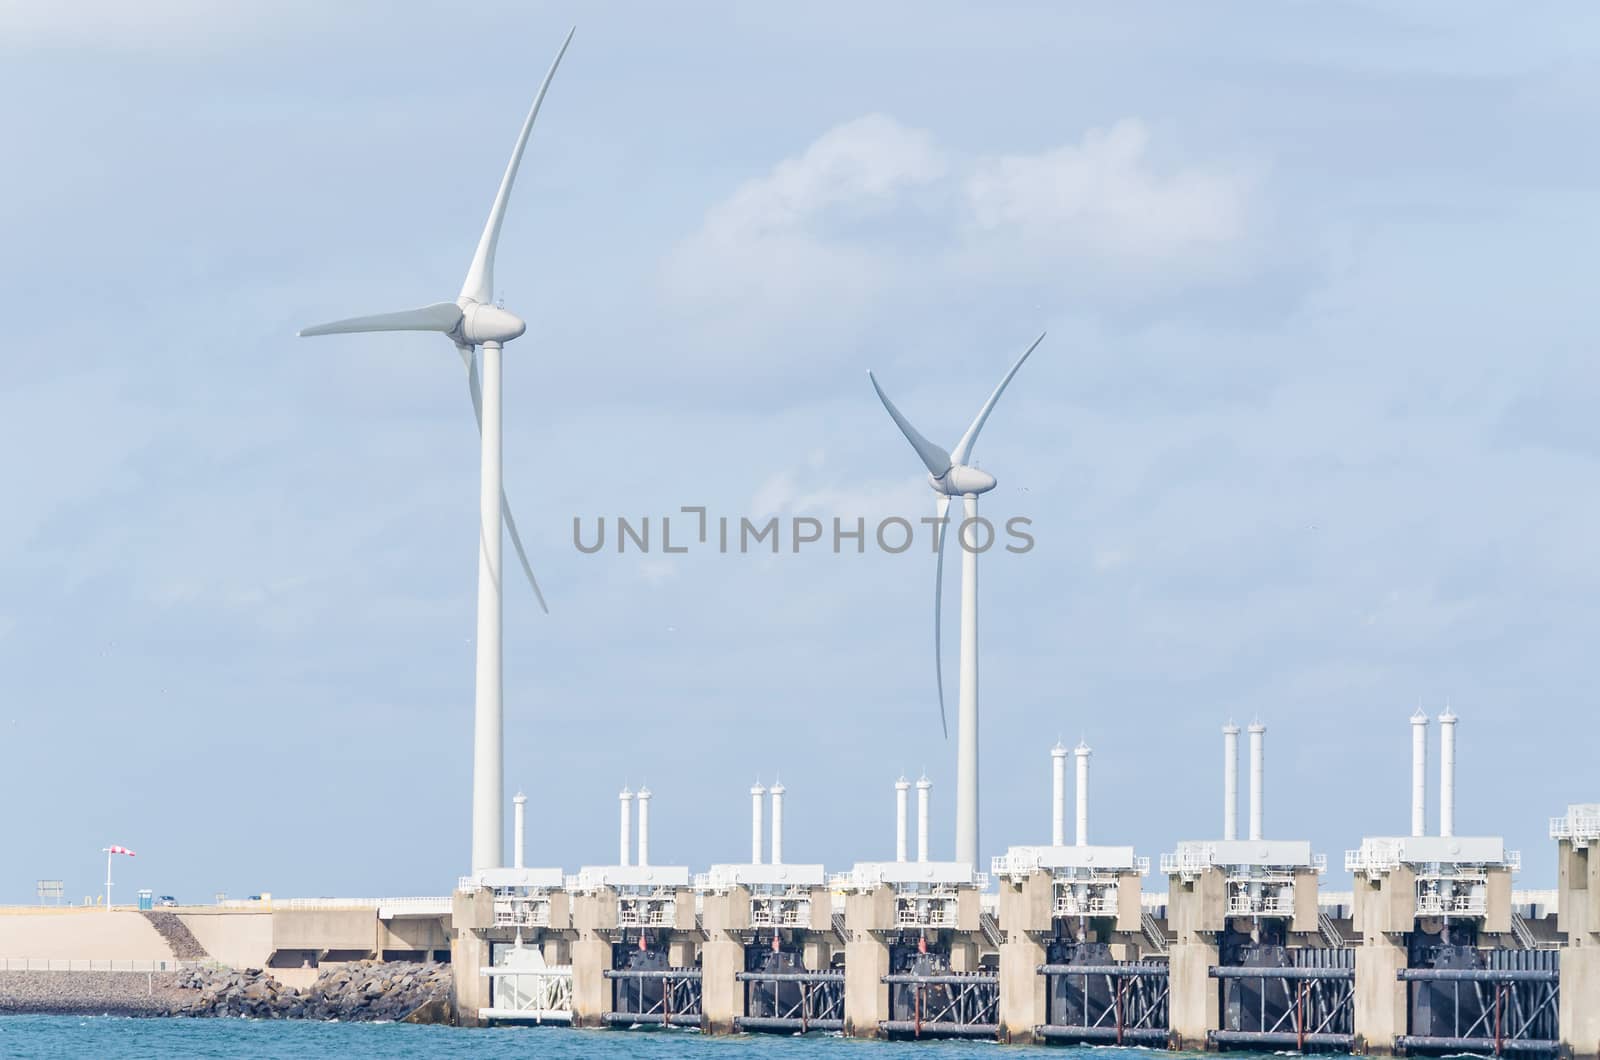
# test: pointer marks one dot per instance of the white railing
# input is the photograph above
(63, 964)
(927, 913)
(1472, 903)
(1580, 825)
(413, 906)
(391, 907)
(1187, 863)
(1273, 903)
(536, 994)
(646, 912)
(1100, 903)
(1374, 858)
(521, 912)
(780, 912)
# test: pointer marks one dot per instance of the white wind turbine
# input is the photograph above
(951, 476)
(471, 321)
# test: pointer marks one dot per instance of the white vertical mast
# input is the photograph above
(1419, 773)
(625, 839)
(1082, 752)
(644, 826)
(519, 817)
(1230, 781)
(924, 786)
(901, 789)
(756, 794)
(1058, 795)
(1257, 732)
(488, 720)
(777, 823)
(1447, 773)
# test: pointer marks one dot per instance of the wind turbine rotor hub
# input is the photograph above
(487, 323)
(961, 480)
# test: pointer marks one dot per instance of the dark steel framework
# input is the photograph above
(790, 1001)
(1115, 1002)
(1287, 997)
(648, 992)
(1511, 1005)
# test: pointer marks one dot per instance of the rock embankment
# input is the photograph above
(184, 945)
(363, 991)
(90, 993)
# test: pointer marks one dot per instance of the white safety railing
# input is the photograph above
(521, 912)
(1099, 902)
(108, 964)
(1470, 903)
(1580, 825)
(538, 995)
(1188, 862)
(405, 906)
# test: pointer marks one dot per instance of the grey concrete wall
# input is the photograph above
(866, 996)
(237, 939)
(1193, 999)
(325, 929)
(1380, 996)
(1580, 1001)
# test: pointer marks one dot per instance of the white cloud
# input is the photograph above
(763, 249)
(1103, 197)
(873, 210)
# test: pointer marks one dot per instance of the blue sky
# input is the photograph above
(1311, 438)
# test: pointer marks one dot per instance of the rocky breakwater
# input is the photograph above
(362, 991)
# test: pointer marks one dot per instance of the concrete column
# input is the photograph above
(557, 951)
(1058, 796)
(519, 816)
(1447, 774)
(866, 996)
(1579, 1022)
(777, 823)
(1194, 1003)
(644, 826)
(681, 951)
(592, 992)
(924, 788)
(469, 953)
(817, 953)
(1025, 908)
(1257, 782)
(722, 996)
(1380, 996)
(1081, 753)
(1230, 781)
(1419, 774)
(901, 788)
(625, 839)
(757, 793)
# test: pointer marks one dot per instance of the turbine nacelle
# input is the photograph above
(961, 481)
(950, 476)
(487, 323)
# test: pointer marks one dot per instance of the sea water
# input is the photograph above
(122, 1038)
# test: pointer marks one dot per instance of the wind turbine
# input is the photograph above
(951, 476)
(473, 320)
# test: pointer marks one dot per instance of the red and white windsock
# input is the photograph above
(120, 850)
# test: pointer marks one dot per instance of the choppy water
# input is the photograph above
(116, 1038)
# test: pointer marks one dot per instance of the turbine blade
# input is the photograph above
(476, 389)
(937, 459)
(963, 449)
(479, 284)
(441, 316)
(941, 509)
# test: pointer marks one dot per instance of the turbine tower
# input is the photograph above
(472, 321)
(950, 476)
